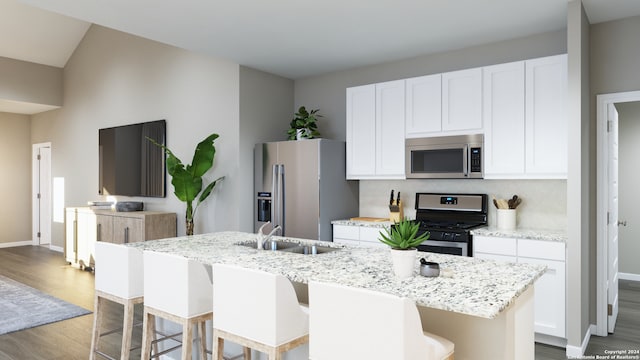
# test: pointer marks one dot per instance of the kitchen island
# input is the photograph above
(484, 307)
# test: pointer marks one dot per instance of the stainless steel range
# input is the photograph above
(449, 218)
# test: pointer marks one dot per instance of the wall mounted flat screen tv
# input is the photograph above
(130, 165)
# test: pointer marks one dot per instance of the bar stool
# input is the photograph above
(349, 323)
(257, 310)
(118, 278)
(179, 290)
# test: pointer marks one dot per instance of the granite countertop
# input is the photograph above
(373, 224)
(532, 234)
(476, 287)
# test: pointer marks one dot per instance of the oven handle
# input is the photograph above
(456, 244)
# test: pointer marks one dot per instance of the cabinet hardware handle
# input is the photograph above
(99, 232)
(126, 235)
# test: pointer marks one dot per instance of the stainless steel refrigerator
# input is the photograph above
(301, 186)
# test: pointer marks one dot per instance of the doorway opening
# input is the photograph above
(41, 192)
(607, 209)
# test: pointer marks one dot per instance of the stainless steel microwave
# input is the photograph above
(445, 157)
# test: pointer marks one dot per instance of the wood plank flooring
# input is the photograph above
(47, 271)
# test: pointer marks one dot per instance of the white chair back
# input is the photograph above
(177, 285)
(257, 305)
(349, 323)
(119, 270)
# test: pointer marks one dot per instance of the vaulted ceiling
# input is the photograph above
(291, 38)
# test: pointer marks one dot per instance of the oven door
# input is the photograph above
(445, 247)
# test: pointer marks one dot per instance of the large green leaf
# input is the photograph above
(186, 186)
(207, 190)
(203, 156)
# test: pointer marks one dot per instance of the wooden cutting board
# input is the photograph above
(373, 219)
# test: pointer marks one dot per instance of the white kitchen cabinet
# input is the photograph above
(525, 119)
(423, 114)
(503, 112)
(357, 235)
(361, 132)
(550, 293)
(70, 223)
(375, 131)
(546, 117)
(462, 100)
(80, 237)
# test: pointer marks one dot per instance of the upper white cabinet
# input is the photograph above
(361, 131)
(525, 119)
(424, 106)
(375, 131)
(546, 117)
(462, 100)
(504, 137)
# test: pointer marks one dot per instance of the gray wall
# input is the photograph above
(115, 78)
(15, 178)
(614, 64)
(266, 103)
(580, 293)
(29, 82)
(629, 192)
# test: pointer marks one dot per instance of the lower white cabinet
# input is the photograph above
(357, 235)
(550, 291)
(85, 226)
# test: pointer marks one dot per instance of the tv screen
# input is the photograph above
(130, 165)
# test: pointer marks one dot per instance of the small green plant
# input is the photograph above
(306, 122)
(403, 235)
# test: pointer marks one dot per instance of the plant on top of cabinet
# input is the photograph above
(304, 126)
(187, 180)
(403, 239)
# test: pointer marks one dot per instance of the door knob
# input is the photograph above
(623, 223)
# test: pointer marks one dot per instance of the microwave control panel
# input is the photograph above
(476, 159)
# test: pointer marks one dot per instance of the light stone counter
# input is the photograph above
(373, 224)
(532, 234)
(475, 287)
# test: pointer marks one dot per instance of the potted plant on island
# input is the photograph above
(304, 126)
(402, 238)
(187, 180)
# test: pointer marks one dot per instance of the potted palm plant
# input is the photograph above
(303, 125)
(187, 179)
(403, 239)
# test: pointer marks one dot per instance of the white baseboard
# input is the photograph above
(628, 276)
(578, 351)
(14, 244)
(550, 340)
(56, 248)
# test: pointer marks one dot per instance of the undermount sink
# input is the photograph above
(292, 247)
(310, 250)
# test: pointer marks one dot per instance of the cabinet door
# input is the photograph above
(546, 117)
(495, 245)
(346, 232)
(390, 130)
(549, 303)
(423, 114)
(127, 230)
(104, 228)
(369, 236)
(503, 113)
(86, 237)
(462, 100)
(70, 236)
(361, 131)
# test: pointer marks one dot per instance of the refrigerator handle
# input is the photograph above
(281, 194)
(274, 195)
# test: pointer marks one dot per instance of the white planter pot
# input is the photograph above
(404, 262)
(301, 133)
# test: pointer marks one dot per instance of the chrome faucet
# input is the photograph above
(263, 239)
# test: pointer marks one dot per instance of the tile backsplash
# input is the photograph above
(544, 202)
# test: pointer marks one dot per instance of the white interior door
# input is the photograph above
(41, 194)
(612, 223)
